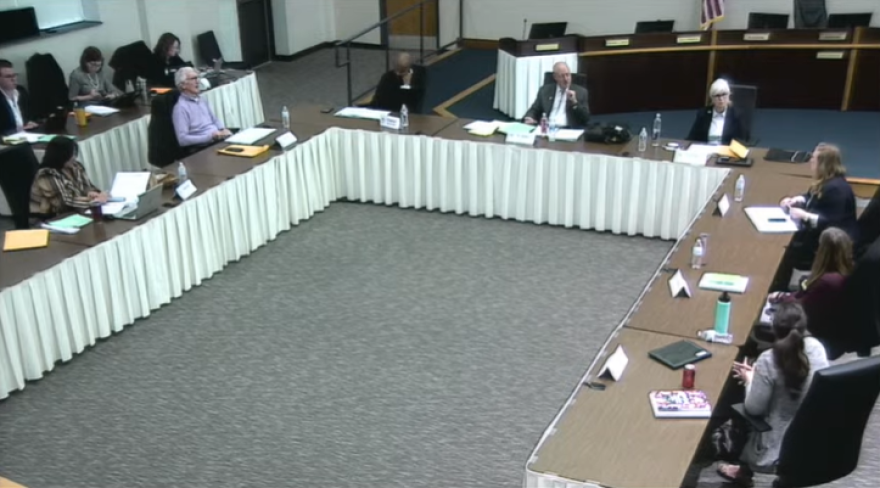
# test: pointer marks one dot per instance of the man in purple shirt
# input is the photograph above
(194, 122)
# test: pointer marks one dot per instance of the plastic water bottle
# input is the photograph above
(181, 172)
(404, 117)
(655, 134)
(142, 88)
(740, 189)
(554, 128)
(285, 117)
(544, 124)
(643, 140)
(697, 255)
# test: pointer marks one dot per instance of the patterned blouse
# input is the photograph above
(56, 191)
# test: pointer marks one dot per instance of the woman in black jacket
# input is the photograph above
(167, 60)
(718, 123)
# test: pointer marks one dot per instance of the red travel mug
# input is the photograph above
(688, 376)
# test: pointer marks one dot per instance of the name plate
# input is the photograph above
(756, 36)
(690, 39)
(678, 287)
(185, 189)
(389, 122)
(547, 47)
(616, 42)
(523, 139)
(286, 140)
(723, 205)
(830, 55)
(833, 36)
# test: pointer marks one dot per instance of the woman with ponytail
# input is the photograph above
(775, 386)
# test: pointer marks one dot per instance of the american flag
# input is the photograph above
(713, 11)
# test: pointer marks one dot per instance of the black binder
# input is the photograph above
(678, 354)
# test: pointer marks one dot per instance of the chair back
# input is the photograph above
(745, 99)
(209, 49)
(46, 84)
(20, 166)
(823, 441)
(579, 79)
(162, 146)
(130, 61)
(869, 225)
(859, 329)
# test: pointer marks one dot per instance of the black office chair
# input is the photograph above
(823, 441)
(162, 146)
(209, 50)
(132, 61)
(860, 326)
(20, 166)
(655, 26)
(579, 79)
(47, 85)
(745, 99)
(760, 20)
(869, 226)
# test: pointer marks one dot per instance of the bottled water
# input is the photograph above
(285, 117)
(643, 140)
(740, 189)
(404, 117)
(554, 128)
(655, 134)
(181, 172)
(544, 124)
(697, 254)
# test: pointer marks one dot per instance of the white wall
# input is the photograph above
(353, 16)
(301, 24)
(493, 19)
(188, 18)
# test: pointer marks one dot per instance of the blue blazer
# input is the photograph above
(733, 126)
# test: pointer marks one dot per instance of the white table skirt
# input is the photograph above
(124, 148)
(518, 79)
(58, 313)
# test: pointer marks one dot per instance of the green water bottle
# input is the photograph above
(722, 314)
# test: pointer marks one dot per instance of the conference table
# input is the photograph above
(57, 301)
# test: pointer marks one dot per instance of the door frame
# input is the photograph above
(383, 14)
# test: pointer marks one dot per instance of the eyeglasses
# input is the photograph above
(720, 95)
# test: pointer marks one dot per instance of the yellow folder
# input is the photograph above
(17, 240)
(243, 151)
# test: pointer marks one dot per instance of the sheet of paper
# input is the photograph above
(516, 128)
(724, 282)
(481, 128)
(695, 158)
(71, 221)
(115, 208)
(250, 136)
(771, 220)
(129, 185)
(362, 113)
(569, 135)
(101, 110)
(31, 137)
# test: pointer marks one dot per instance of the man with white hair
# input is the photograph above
(194, 122)
(562, 103)
(719, 123)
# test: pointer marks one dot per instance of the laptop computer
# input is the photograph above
(148, 202)
(123, 101)
(783, 156)
(56, 121)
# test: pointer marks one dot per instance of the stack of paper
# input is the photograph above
(565, 135)
(696, 154)
(483, 127)
(362, 113)
(72, 221)
(724, 282)
(771, 220)
(250, 136)
(101, 110)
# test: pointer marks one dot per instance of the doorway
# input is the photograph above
(403, 33)
(255, 28)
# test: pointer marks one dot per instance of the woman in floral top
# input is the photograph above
(61, 184)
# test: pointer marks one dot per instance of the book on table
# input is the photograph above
(680, 404)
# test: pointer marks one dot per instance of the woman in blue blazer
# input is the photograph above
(829, 202)
(718, 123)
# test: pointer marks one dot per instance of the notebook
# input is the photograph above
(17, 240)
(680, 404)
(724, 282)
(243, 151)
(678, 354)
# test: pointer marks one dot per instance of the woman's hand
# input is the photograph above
(786, 202)
(100, 197)
(94, 95)
(797, 213)
(743, 372)
(775, 297)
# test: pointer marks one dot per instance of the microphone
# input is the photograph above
(525, 21)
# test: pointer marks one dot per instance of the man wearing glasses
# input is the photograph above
(194, 122)
(14, 105)
(718, 123)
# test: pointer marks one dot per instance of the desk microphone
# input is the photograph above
(525, 21)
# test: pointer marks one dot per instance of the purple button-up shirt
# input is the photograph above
(194, 122)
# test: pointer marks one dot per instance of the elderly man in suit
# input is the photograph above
(562, 102)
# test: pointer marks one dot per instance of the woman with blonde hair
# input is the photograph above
(829, 202)
(822, 295)
(719, 122)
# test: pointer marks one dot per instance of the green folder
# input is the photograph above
(74, 221)
(48, 137)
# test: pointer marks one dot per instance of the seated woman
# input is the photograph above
(718, 123)
(822, 295)
(829, 202)
(87, 83)
(61, 184)
(167, 60)
(775, 386)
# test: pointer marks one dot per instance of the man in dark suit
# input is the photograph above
(718, 123)
(561, 102)
(14, 107)
(402, 85)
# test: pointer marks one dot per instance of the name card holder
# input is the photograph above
(390, 122)
(830, 55)
(756, 36)
(547, 47)
(522, 139)
(614, 365)
(185, 189)
(617, 42)
(286, 140)
(722, 206)
(833, 36)
(678, 287)
(689, 39)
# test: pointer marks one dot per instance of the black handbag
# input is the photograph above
(608, 133)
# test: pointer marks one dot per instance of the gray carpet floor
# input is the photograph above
(368, 347)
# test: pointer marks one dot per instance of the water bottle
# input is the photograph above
(181, 173)
(722, 314)
(655, 134)
(554, 128)
(643, 140)
(404, 117)
(142, 88)
(544, 124)
(129, 87)
(285, 117)
(740, 188)
(697, 255)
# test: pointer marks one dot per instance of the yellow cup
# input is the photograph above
(81, 119)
